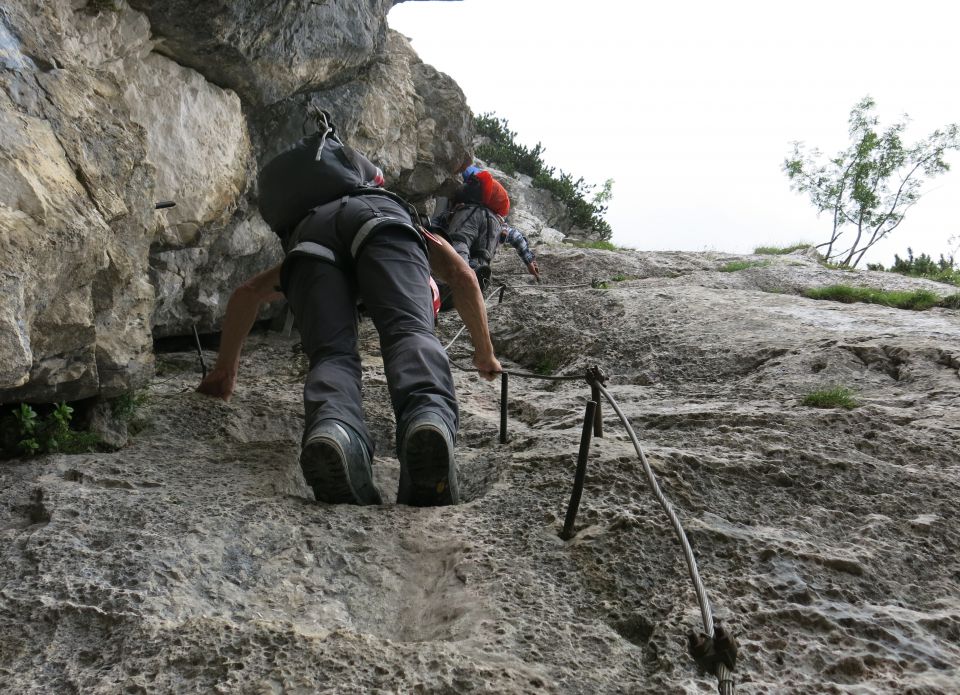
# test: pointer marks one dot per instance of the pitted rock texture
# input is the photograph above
(194, 560)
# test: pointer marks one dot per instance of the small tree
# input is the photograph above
(870, 185)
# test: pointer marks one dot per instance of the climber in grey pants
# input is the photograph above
(367, 246)
(392, 275)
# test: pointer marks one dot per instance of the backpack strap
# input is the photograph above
(325, 127)
(379, 218)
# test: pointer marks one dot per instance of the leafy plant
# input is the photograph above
(26, 433)
(917, 300)
(781, 250)
(27, 425)
(870, 185)
(836, 397)
(585, 206)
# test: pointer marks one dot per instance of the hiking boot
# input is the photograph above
(336, 464)
(428, 472)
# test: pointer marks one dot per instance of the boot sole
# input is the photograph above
(428, 470)
(324, 467)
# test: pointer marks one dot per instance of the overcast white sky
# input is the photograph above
(691, 106)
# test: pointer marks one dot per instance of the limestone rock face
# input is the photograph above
(108, 107)
(409, 119)
(75, 316)
(197, 140)
(266, 50)
(195, 560)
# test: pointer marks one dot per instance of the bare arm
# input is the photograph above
(447, 265)
(242, 310)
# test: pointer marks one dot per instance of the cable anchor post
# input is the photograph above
(595, 377)
(715, 654)
(504, 396)
(581, 474)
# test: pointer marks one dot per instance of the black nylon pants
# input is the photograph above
(391, 275)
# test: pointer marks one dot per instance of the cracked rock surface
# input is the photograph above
(109, 106)
(195, 560)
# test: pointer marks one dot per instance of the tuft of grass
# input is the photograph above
(546, 366)
(124, 407)
(604, 245)
(780, 250)
(837, 266)
(549, 359)
(95, 7)
(734, 266)
(836, 397)
(951, 302)
(916, 300)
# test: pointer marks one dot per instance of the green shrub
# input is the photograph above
(781, 250)
(922, 266)
(836, 397)
(585, 207)
(26, 433)
(916, 300)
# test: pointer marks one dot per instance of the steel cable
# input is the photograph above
(725, 682)
(705, 611)
(724, 675)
